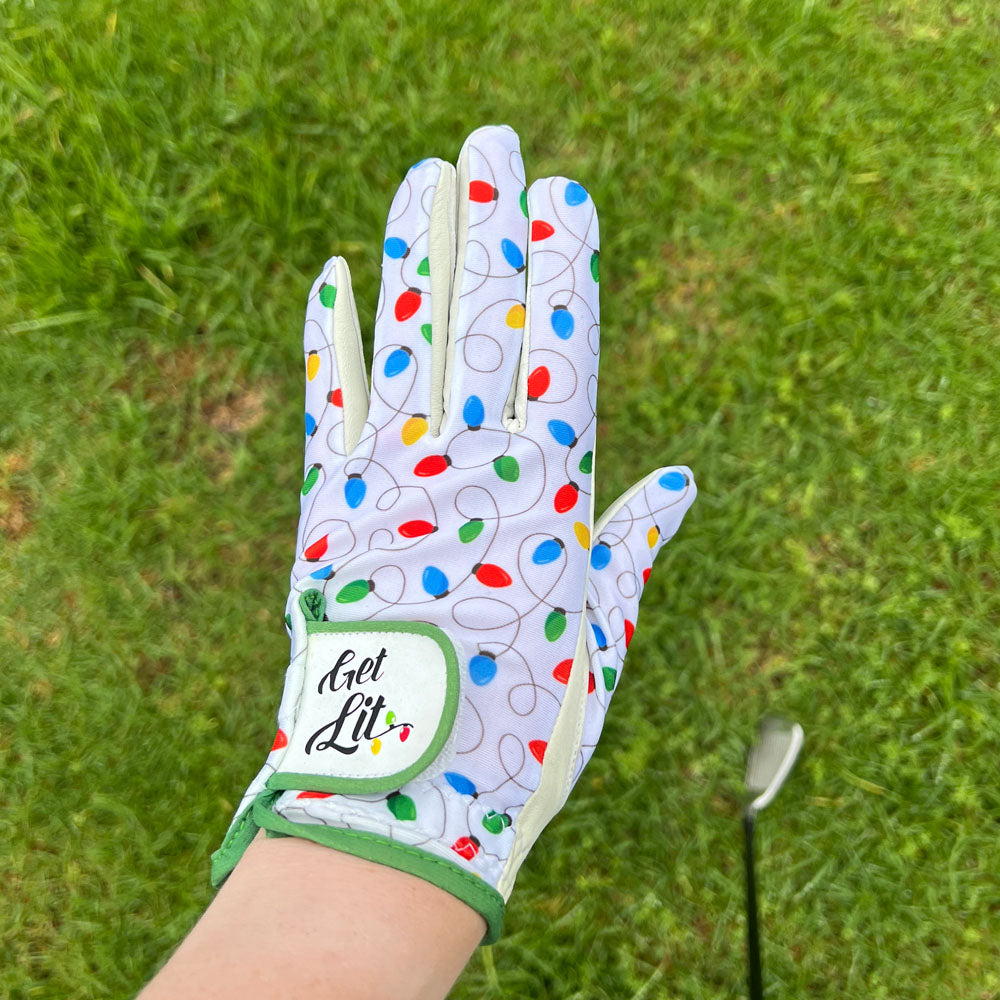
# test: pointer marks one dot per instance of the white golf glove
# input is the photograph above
(458, 621)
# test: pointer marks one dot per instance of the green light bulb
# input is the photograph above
(555, 624)
(311, 476)
(402, 806)
(506, 468)
(471, 530)
(495, 822)
(356, 590)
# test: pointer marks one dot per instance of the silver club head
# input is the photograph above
(771, 759)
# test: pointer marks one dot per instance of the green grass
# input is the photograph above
(801, 271)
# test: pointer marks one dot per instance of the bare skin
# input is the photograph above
(298, 920)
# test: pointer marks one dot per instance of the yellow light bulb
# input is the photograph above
(376, 745)
(312, 365)
(582, 533)
(652, 535)
(515, 316)
(413, 430)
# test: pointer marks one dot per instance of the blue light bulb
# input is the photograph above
(473, 413)
(435, 582)
(562, 432)
(460, 783)
(482, 669)
(673, 480)
(548, 551)
(397, 362)
(354, 491)
(512, 254)
(600, 556)
(602, 642)
(395, 247)
(562, 322)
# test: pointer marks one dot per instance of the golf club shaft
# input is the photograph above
(753, 939)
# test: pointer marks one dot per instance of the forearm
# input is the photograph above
(299, 920)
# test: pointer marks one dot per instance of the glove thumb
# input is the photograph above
(626, 540)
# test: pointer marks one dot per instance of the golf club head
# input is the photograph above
(771, 759)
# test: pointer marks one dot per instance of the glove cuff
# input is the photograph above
(471, 889)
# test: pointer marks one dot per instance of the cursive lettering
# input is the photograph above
(369, 670)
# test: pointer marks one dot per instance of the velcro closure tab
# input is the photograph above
(377, 707)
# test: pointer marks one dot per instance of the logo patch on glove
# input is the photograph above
(378, 705)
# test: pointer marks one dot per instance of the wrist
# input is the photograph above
(363, 837)
(358, 928)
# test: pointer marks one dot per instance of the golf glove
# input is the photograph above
(458, 621)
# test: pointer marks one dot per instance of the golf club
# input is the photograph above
(769, 763)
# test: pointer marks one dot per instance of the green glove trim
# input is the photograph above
(469, 888)
(237, 841)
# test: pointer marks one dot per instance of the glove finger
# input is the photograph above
(336, 385)
(626, 540)
(488, 310)
(558, 376)
(417, 272)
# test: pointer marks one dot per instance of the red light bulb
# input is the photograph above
(432, 465)
(336, 397)
(629, 632)
(538, 383)
(561, 672)
(414, 529)
(482, 191)
(541, 230)
(491, 576)
(407, 304)
(317, 550)
(537, 748)
(466, 847)
(566, 497)
(280, 740)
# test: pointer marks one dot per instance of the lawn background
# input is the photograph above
(800, 270)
